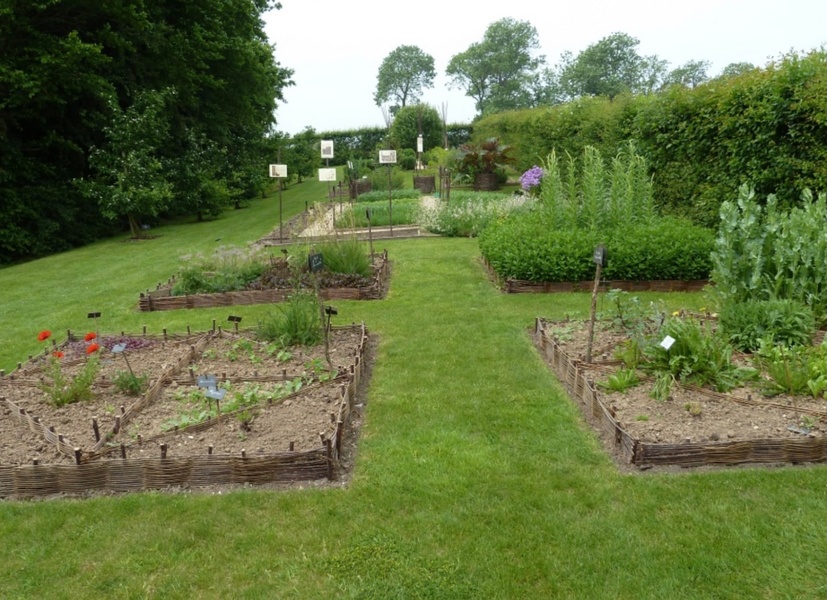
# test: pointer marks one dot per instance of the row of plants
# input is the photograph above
(404, 212)
(766, 253)
(702, 352)
(583, 204)
(233, 269)
(468, 213)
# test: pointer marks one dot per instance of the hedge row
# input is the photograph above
(765, 127)
(525, 247)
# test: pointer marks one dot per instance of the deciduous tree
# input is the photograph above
(403, 75)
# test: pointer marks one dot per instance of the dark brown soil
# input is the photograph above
(692, 415)
(250, 367)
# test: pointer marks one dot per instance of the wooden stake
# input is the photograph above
(123, 451)
(163, 450)
(77, 456)
(95, 429)
(291, 446)
(209, 449)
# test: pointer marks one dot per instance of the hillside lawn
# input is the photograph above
(476, 476)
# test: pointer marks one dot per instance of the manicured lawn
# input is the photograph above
(475, 478)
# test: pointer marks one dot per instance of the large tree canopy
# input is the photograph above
(71, 69)
(499, 72)
(403, 75)
(607, 68)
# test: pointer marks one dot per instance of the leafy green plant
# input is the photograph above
(698, 356)
(469, 213)
(746, 323)
(59, 388)
(486, 157)
(620, 381)
(765, 254)
(795, 370)
(296, 322)
(227, 269)
(129, 383)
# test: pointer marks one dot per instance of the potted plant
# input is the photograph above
(485, 162)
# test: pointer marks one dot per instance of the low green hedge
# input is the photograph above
(524, 247)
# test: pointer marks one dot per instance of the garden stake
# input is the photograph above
(95, 429)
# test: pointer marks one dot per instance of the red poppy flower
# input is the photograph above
(44, 335)
(92, 348)
(90, 336)
(57, 354)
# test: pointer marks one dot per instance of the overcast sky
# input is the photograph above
(335, 47)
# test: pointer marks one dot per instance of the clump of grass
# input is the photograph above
(296, 323)
(346, 255)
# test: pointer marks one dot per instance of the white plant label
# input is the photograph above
(327, 148)
(279, 171)
(327, 174)
(667, 342)
(387, 157)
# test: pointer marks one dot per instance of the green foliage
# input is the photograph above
(498, 72)
(382, 196)
(129, 383)
(699, 356)
(608, 68)
(746, 323)
(346, 255)
(379, 179)
(62, 390)
(767, 254)
(227, 269)
(795, 370)
(407, 159)
(620, 381)
(404, 213)
(296, 322)
(526, 247)
(469, 213)
(406, 127)
(402, 76)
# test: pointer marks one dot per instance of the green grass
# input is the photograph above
(404, 213)
(475, 476)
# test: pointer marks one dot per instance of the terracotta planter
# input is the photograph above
(486, 182)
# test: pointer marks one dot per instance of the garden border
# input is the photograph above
(572, 373)
(93, 472)
(161, 298)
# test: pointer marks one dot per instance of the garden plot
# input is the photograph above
(693, 425)
(281, 416)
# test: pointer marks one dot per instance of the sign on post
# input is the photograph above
(327, 174)
(279, 171)
(327, 148)
(387, 157)
(600, 256)
(315, 262)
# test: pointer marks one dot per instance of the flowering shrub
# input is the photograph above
(531, 179)
(62, 390)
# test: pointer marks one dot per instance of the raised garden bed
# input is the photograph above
(695, 427)
(289, 424)
(519, 286)
(273, 289)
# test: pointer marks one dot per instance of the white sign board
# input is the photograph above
(419, 144)
(387, 157)
(327, 148)
(667, 342)
(327, 174)
(278, 171)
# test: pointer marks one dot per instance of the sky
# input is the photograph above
(335, 47)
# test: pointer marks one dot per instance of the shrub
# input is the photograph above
(747, 323)
(524, 246)
(407, 159)
(379, 179)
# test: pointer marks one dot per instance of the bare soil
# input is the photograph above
(248, 366)
(692, 415)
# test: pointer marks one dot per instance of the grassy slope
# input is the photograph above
(475, 479)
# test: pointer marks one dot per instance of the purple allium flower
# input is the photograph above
(531, 178)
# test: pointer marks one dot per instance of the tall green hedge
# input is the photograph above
(766, 127)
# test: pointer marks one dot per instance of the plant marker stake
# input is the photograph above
(599, 258)
(95, 429)
(370, 231)
(94, 315)
(123, 450)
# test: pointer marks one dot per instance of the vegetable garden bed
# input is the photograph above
(284, 416)
(162, 299)
(695, 426)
